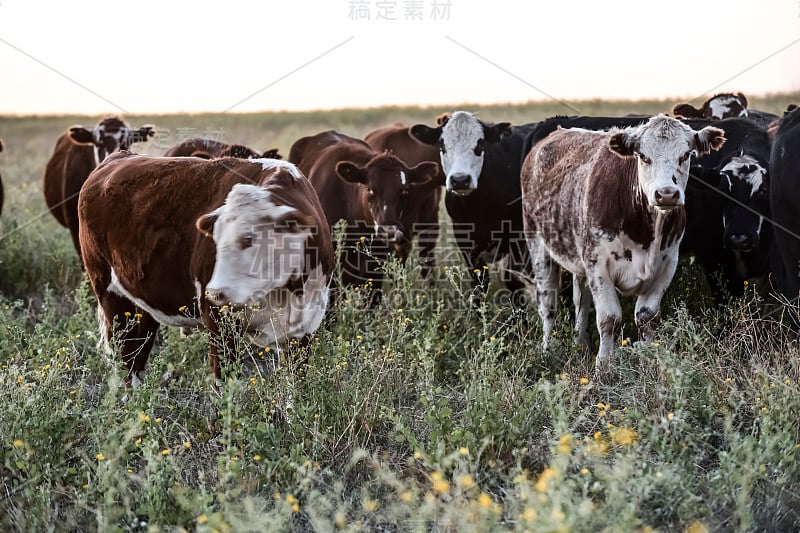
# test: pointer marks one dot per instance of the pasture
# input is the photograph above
(423, 414)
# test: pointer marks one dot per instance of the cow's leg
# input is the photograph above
(609, 317)
(582, 298)
(133, 328)
(647, 304)
(518, 268)
(547, 274)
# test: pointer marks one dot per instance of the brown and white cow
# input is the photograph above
(719, 106)
(76, 154)
(177, 241)
(421, 213)
(211, 149)
(366, 188)
(609, 207)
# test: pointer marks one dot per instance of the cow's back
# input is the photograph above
(784, 202)
(192, 146)
(64, 175)
(306, 150)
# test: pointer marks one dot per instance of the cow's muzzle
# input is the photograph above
(668, 197)
(741, 242)
(460, 183)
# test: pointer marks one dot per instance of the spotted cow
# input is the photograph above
(188, 242)
(481, 164)
(608, 207)
(76, 154)
(368, 189)
(420, 215)
(724, 105)
(211, 149)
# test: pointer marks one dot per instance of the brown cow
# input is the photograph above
(180, 241)
(609, 207)
(421, 214)
(211, 149)
(366, 188)
(77, 152)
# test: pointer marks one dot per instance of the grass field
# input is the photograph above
(426, 414)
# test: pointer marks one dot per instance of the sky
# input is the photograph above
(146, 56)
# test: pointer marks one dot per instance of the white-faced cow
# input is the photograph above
(481, 163)
(176, 241)
(76, 154)
(420, 215)
(608, 207)
(211, 149)
(366, 188)
(784, 200)
(724, 105)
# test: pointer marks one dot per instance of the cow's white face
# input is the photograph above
(663, 147)
(260, 247)
(727, 105)
(744, 180)
(461, 148)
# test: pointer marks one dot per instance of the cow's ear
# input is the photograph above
(442, 119)
(1, 145)
(205, 224)
(789, 109)
(425, 134)
(423, 172)
(623, 144)
(142, 134)
(742, 98)
(350, 172)
(497, 131)
(79, 134)
(272, 153)
(708, 139)
(686, 111)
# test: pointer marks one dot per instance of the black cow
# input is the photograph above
(784, 199)
(481, 163)
(726, 202)
(724, 105)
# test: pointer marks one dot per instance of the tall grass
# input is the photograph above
(424, 414)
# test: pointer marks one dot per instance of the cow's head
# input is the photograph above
(462, 141)
(242, 152)
(745, 179)
(387, 184)
(110, 135)
(719, 106)
(260, 244)
(663, 147)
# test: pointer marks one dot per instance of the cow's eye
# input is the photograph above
(441, 146)
(685, 157)
(643, 158)
(246, 241)
(370, 191)
(480, 146)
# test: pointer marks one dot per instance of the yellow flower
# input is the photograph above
(584, 381)
(340, 519)
(529, 514)
(18, 443)
(544, 479)
(187, 444)
(127, 313)
(256, 458)
(485, 501)
(670, 416)
(439, 484)
(165, 451)
(463, 450)
(585, 471)
(370, 505)
(406, 496)
(296, 508)
(202, 519)
(291, 499)
(417, 455)
(276, 495)
(624, 342)
(143, 417)
(467, 481)
(624, 436)
(100, 457)
(696, 527)
(182, 309)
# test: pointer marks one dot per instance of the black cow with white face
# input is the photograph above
(784, 199)
(481, 163)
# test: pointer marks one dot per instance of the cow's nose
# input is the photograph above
(741, 241)
(667, 196)
(216, 296)
(399, 236)
(460, 181)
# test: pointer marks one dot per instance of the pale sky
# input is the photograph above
(146, 56)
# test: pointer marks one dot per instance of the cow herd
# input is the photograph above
(233, 240)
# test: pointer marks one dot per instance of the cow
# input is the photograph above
(76, 154)
(481, 163)
(418, 217)
(1, 184)
(784, 199)
(608, 207)
(724, 105)
(183, 241)
(211, 149)
(366, 188)
(727, 208)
